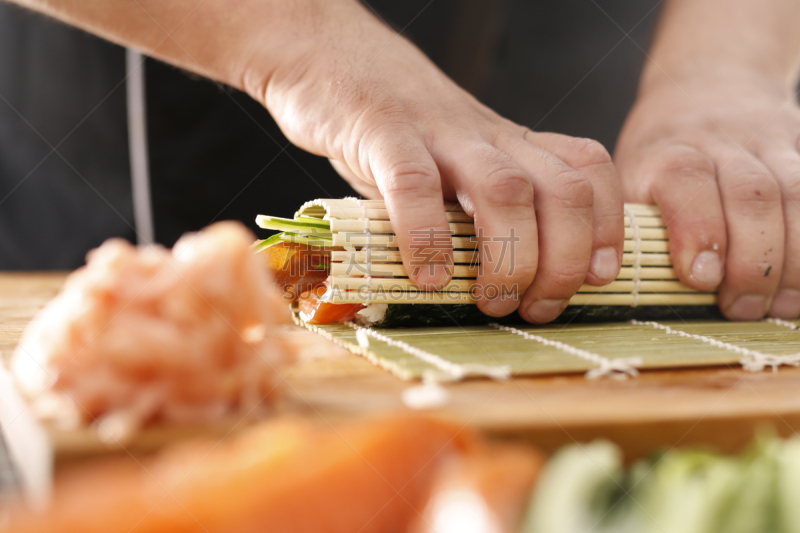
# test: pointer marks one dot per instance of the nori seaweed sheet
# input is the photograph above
(619, 313)
(450, 315)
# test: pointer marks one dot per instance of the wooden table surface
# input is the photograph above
(718, 407)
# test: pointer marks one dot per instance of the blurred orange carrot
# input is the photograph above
(284, 476)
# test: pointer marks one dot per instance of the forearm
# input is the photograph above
(220, 39)
(708, 36)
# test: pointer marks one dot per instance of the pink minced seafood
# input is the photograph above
(143, 334)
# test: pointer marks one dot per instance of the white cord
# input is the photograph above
(752, 360)
(368, 235)
(637, 257)
(137, 147)
(619, 368)
(779, 322)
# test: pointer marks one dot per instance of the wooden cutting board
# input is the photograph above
(719, 407)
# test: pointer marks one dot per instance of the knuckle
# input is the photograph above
(573, 189)
(564, 280)
(685, 160)
(376, 128)
(522, 273)
(517, 279)
(411, 178)
(609, 227)
(754, 191)
(507, 187)
(590, 152)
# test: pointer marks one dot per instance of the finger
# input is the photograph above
(751, 199)
(591, 159)
(684, 186)
(785, 166)
(409, 181)
(564, 199)
(362, 187)
(499, 195)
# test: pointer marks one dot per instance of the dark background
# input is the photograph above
(558, 65)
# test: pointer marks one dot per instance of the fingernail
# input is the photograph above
(786, 304)
(748, 307)
(707, 268)
(604, 264)
(545, 310)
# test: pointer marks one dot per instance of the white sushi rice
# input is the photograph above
(371, 314)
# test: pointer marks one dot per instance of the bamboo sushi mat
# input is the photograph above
(366, 265)
(612, 349)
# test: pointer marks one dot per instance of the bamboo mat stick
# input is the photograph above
(349, 202)
(418, 297)
(384, 226)
(389, 241)
(668, 286)
(389, 270)
(655, 234)
(646, 222)
(647, 246)
(647, 259)
(396, 270)
(386, 255)
(450, 297)
(643, 210)
(347, 283)
(648, 272)
(393, 256)
(372, 213)
(644, 299)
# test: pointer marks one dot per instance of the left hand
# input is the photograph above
(718, 152)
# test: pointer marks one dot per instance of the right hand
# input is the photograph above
(719, 154)
(396, 127)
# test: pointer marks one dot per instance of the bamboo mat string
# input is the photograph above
(452, 371)
(619, 368)
(779, 322)
(752, 360)
(428, 395)
(368, 241)
(637, 254)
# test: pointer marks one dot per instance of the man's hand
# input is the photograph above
(713, 140)
(342, 85)
(396, 127)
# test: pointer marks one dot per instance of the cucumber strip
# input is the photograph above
(261, 245)
(311, 240)
(301, 225)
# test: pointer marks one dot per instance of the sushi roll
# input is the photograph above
(337, 261)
